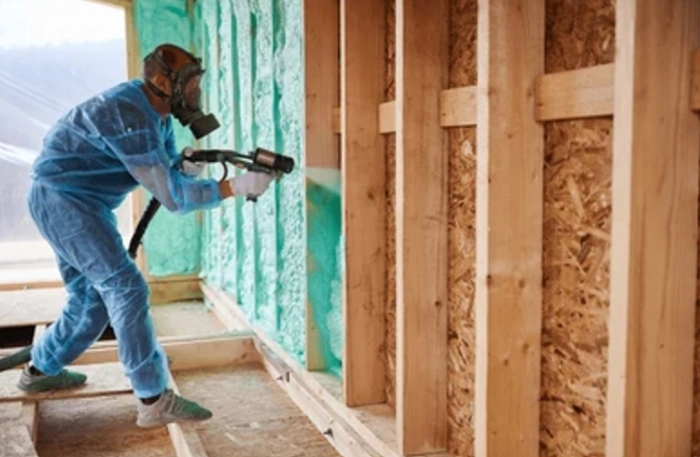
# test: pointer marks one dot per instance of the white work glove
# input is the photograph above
(192, 168)
(250, 184)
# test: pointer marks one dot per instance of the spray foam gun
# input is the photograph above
(260, 160)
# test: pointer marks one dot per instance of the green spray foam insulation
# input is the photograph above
(172, 242)
(260, 253)
(325, 251)
(252, 51)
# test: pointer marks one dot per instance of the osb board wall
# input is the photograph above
(577, 217)
(578, 165)
(461, 241)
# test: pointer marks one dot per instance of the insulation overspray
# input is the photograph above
(172, 242)
(324, 276)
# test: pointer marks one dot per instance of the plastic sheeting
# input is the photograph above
(38, 84)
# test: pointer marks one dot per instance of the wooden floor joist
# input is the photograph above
(189, 352)
(369, 430)
(509, 215)
(656, 151)
(186, 353)
(422, 64)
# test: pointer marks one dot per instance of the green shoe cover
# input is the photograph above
(41, 383)
(170, 408)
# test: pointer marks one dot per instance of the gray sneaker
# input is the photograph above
(32, 383)
(170, 408)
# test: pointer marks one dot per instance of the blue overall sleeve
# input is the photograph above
(147, 150)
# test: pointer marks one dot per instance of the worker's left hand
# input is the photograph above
(191, 168)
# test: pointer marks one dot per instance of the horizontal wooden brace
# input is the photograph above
(575, 94)
(457, 109)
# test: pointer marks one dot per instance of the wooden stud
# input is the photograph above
(364, 202)
(321, 44)
(321, 48)
(695, 101)
(656, 149)
(509, 201)
(422, 55)
(576, 94)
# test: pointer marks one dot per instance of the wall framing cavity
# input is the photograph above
(470, 229)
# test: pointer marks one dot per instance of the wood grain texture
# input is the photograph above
(364, 202)
(575, 94)
(656, 150)
(695, 101)
(321, 143)
(321, 44)
(458, 107)
(422, 64)
(509, 215)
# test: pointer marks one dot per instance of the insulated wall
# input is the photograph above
(172, 243)
(257, 252)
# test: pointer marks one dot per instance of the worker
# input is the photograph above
(91, 159)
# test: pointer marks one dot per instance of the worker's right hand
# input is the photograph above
(250, 184)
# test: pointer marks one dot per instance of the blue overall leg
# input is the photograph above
(81, 322)
(84, 235)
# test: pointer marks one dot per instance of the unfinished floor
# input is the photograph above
(252, 415)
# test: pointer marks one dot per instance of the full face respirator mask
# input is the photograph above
(184, 105)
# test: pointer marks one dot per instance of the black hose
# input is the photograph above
(148, 215)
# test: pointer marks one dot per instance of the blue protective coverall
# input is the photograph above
(91, 159)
